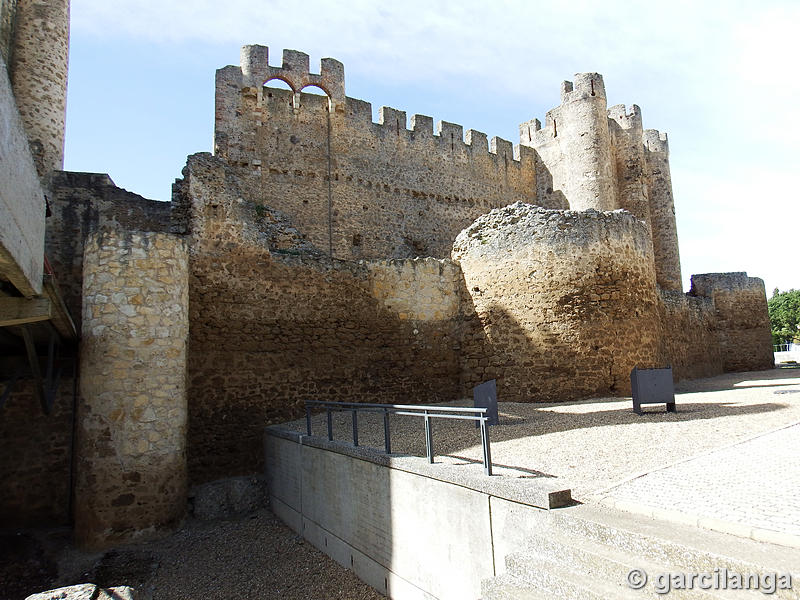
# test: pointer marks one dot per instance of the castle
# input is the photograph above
(316, 254)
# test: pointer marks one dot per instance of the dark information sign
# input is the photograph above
(485, 396)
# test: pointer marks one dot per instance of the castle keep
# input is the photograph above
(317, 254)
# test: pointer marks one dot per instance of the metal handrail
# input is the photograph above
(427, 412)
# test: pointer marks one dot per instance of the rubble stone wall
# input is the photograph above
(743, 329)
(567, 301)
(83, 203)
(131, 438)
(690, 337)
(36, 457)
(390, 189)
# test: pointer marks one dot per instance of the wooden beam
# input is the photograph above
(18, 311)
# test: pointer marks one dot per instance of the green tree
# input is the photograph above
(784, 316)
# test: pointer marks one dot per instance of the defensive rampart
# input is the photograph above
(359, 189)
(274, 322)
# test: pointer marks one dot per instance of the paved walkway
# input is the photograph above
(751, 488)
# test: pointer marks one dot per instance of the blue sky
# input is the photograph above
(719, 78)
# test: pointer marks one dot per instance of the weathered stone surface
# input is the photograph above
(742, 324)
(131, 454)
(227, 498)
(39, 75)
(83, 203)
(36, 457)
(566, 300)
(87, 591)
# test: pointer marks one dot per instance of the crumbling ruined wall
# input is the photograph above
(690, 335)
(82, 203)
(567, 301)
(36, 459)
(131, 435)
(362, 189)
(743, 329)
(273, 324)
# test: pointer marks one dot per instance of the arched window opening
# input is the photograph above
(314, 97)
(278, 89)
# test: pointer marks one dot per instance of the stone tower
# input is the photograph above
(38, 69)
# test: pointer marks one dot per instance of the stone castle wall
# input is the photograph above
(690, 331)
(83, 203)
(567, 301)
(367, 190)
(274, 322)
(742, 323)
(590, 156)
(37, 454)
(131, 436)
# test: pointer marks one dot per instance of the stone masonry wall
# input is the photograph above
(83, 203)
(743, 328)
(690, 337)
(36, 458)
(8, 10)
(39, 76)
(662, 210)
(273, 322)
(131, 439)
(270, 331)
(368, 190)
(566, 300)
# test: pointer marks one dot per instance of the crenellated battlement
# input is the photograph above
(655, 141)
(393, 124)
(294, 71)
(348, 181)
(626, 119)
(584, 86)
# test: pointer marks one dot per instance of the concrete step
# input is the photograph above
(559, 580)
(507, 587)
(590, 561)
(675, 547)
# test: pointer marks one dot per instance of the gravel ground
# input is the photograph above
(255, 557)
(593, 444)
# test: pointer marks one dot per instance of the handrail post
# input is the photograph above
(330, 423)
(355, 427)
(428, 438)
(487, 453)
(387, 442)
(308, 419)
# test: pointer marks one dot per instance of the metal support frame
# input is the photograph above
(427, 412)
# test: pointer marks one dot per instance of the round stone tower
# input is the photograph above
(586, 143)
(567, 300)
(39, 77)
(662, 210)
(131, 477)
